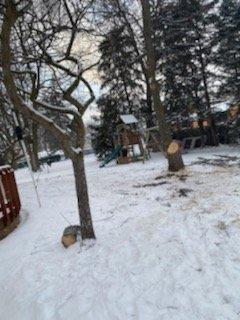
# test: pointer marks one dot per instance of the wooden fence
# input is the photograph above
(9, 201)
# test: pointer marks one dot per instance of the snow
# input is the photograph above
(77, 150)
(4, 167)
(44, 154)
(158, 255)
(128, 118)
(221, 106)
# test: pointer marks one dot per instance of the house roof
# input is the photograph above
(128, 118)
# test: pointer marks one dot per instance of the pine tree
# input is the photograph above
(121, 86)
(118, 68)
(186, 47)
(178, 65)
(228, 49)
(103, 128)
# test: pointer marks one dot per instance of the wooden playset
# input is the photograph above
(128, 141)
(128, 136)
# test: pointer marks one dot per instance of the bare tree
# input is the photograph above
(10, 151)
(49, 32)
(172, 149)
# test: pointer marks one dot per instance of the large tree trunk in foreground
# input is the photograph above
(175, 161)
(10, 17)
(82, 197)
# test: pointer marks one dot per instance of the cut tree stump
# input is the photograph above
(174, 154)
(173, 147)
(70, 235)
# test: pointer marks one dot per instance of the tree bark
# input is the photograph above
(164, 129)
(32, 146)
(82, 197)
(200, 124)
(212, 124)
(34, 158)
(150, 122)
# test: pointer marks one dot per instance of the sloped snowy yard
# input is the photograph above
(168, 247)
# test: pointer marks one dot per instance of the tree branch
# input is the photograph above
(10, 18)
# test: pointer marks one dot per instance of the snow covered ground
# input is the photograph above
(168, 247)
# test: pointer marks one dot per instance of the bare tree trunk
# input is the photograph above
(32, 145)
(212, 124)
(35, 159)
(35, 164)
(175, 161)
(150, 122)
(200, 124)
(82, 197)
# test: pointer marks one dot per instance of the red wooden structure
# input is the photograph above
(9, 201)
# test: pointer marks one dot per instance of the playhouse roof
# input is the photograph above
(128, 118)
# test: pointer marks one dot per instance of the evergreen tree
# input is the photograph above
(185, 47)
(177, 61)
(121, 86)
(104, 127)
(228, 49)
(119, 71)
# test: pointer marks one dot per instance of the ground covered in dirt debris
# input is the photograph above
(168, 245)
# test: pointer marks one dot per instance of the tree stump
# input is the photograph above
(174, 155)
(70, 235)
